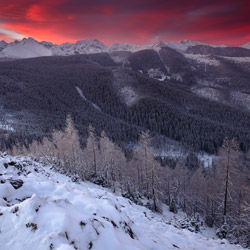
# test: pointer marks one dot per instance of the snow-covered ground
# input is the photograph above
(211, 93)
(42, 209)
(206, 59)
(156, 74)
(128, 95)
(239, 60)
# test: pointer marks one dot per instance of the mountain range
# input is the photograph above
(29, 47)
(190, 92)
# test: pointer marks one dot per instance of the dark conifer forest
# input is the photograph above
(37, 94)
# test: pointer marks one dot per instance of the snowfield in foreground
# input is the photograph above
(41, 209)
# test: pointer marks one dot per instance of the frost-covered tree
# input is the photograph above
(112, 161)
(228, 156)
(92, 152)
(68, 149)
(145, 153)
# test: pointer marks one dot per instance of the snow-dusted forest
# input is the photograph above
(215, 197)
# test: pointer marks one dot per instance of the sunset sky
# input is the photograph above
(133, 21)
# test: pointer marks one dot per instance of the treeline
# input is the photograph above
(220, 194)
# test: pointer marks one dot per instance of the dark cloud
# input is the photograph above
(135, 21)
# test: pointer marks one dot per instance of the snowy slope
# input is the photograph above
(26, 48)
(246, 46)
(41, 209)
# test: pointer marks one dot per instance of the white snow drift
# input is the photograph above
(42, 209)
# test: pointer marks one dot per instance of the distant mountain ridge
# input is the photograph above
(29, 47)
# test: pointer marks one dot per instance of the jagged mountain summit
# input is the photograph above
(26, 48)
(29, 47)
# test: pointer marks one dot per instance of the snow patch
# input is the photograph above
(129, 95)
(206, 83)
(241, 99)
(208, 92)
(79, 91)
(206, 159)
(120, 57)
(6, 127)
(238, 60)
(177, 77)
(206, 59)
(156, 74)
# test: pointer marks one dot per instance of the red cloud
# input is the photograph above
(134, 21)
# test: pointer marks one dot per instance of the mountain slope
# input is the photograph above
(37, 94)
(42, 209)
(3, 45)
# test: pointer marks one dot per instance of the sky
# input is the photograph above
(132, 21)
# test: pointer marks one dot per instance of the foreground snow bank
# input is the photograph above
(42, 209)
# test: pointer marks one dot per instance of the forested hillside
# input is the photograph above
(216, 196)
(37, 94)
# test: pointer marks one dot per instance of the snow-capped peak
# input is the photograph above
(90, 46)
(29, 47)
(159, 45)
(26, 48)
(90, 42)
(28, 40)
